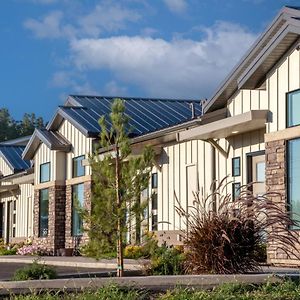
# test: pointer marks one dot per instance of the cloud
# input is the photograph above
(112, 88)
(107, 16)
(49, 26)
(176, 6)
(74, 83)
(176, 68)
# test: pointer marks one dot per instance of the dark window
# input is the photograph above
(154, 181)
(236, 166)
(236, 190)
(78, 168)
(293, 109)
(44, 212)
(45, 172)
(154, 201)
(154, 223)
(77, 203)
(294, 178)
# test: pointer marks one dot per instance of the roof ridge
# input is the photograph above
(133, 98)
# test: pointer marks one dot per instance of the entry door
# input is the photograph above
(258, 175)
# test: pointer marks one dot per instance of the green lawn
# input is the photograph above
(280, 291)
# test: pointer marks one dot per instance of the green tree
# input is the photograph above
(118, 180)
(11, 129)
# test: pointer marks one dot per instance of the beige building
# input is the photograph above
(249, 131)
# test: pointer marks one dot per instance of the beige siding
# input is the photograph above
(24, 211)
(283, 78)
(5, 168)
(81, 145)
(185, 168)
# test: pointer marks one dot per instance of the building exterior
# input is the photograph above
(16, 192)
(248, 131)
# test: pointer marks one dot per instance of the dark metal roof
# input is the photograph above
(53, 140)
(13, 156)
(146, 115)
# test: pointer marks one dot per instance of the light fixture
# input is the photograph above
(234, 132)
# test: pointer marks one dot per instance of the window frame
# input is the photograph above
(287, 167)
(154, 186)
(287, 108)
(40, 204)
(238, 158)
(41, 166)
(73, 166)
(234, 184)
(73, 212)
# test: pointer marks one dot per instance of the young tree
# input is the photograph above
(118, 180)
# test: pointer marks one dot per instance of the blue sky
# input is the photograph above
(147, 48)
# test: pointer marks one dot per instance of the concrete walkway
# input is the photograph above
(150, 283)
(76, 262)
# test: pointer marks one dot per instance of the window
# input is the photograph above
(45, 172)
(154, 181)
(154, 201)
(236, 166)
(236, 190)
(154, 223)
(44, 213)
(294, 178)
(260, 171)
(293, 109)
(78, 168)
(77, 202)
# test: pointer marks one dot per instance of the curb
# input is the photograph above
(150, 283)
(89, 265)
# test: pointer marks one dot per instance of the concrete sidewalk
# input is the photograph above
(150, 283)
(76, 261)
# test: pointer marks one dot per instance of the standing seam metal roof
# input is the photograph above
(146, 114)
(13, 156)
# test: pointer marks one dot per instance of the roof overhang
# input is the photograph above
(8, 188)
(277, 39)
(56, 142)
(249, 121)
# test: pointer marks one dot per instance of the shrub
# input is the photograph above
(31, 250)
(35, 271)
(167, 261)
(133, 252)
(7, 251)
(229, 238)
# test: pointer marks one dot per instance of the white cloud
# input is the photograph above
(107, 16)
(176, 6)
(112, 88)
(177, 68)
(49, 26)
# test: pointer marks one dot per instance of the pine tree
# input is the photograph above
(118, 180)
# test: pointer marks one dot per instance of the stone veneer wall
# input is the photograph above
(276, 181)
(70, 240)
(56, 223)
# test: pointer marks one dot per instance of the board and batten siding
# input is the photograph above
(5, 169)
(283, 78)
(81, 145)
(185, 168)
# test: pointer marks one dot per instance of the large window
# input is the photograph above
(78, 168)
(77, 203)
(45, 172)
(236, 166)
(294, 178)
(44, 212)
(293, 108)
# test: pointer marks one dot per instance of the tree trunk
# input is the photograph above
(120, 260)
